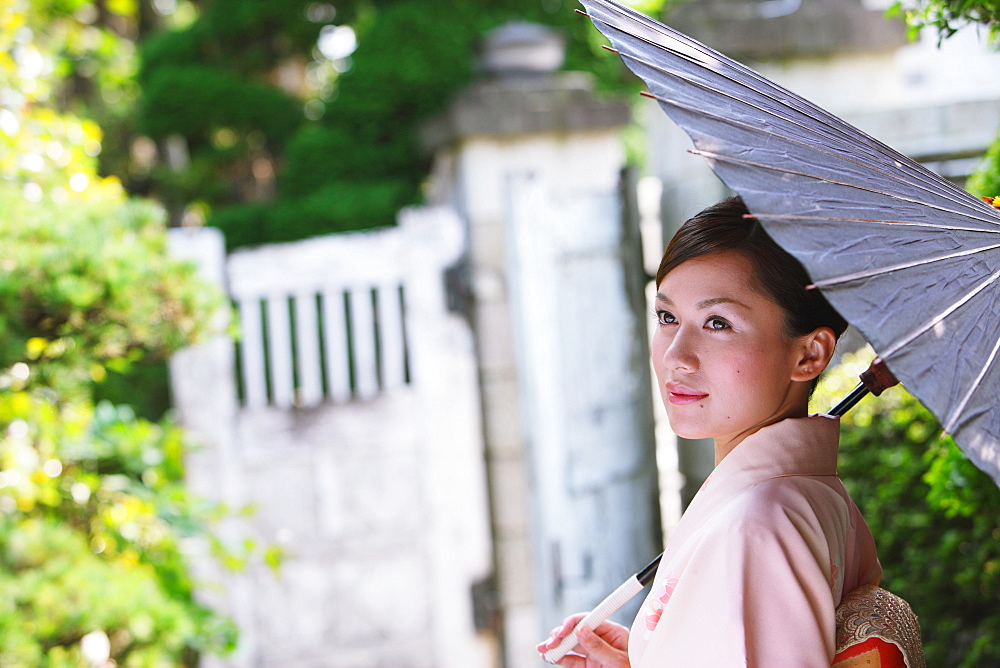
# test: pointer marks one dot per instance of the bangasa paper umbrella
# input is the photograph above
(907, 257)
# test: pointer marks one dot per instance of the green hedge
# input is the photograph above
(935, 518)
(94, 514)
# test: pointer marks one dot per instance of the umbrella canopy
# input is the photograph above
(907, 257)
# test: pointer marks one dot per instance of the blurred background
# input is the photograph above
(323, 325)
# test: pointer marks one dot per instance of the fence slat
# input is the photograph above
(279, 346)
(252, 353)
(356, 352)
(338, 371)
(363, 343)
(391, 342)
(307, 347)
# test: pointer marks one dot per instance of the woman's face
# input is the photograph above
(723, 362)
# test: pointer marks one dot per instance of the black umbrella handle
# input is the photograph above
(875, 380)
(848, 402)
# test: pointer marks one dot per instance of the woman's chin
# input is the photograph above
(684, 429)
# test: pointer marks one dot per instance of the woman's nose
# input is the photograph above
(681, 352)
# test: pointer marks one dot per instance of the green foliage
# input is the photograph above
(210, 88)
(245, 37)
(192, 101)
(335, 208)
(92, 517)
(312, 159)
(358, 160)
(153, 402)
(935, 518)
(370, 129)
(947, 16)
(986, 181)
(65, 67)
(70, 51)
(94, 514)
(70, 301)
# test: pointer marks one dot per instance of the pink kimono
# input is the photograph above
(761, 558)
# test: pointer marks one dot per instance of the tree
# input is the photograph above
(93, 511)
(948, 16)
(282, 129)
(92, 502)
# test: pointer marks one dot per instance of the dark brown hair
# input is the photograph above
(723, 227)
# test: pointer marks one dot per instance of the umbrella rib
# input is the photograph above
(631, 15)
(919, 183)
(839, 131)
(875, 221)
(836, 133)
(838, 280)
(773, 168)
(899, 345)
(957, 412)
(787, 98)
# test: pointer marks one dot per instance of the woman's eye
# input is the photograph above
(717, 324)
(665, 317)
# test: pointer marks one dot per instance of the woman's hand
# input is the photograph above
(604, 647)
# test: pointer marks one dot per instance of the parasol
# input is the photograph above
(910, 259)
(907, 257)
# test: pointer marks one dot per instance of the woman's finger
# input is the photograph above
(572, 661)
(560, 632)
(571, 622)
(614, 634)
(600, 651)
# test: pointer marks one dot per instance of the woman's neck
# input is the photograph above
(725, 445)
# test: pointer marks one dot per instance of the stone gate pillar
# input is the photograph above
(533, 161)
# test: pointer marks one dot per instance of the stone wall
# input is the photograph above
(533, 161)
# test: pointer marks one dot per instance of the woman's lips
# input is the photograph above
(681, 394)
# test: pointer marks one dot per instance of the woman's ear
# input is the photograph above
(816, 352)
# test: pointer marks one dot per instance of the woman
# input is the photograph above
(770, 544)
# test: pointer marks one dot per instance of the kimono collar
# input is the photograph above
(795, 446)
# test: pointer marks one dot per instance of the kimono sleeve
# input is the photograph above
(757, 589)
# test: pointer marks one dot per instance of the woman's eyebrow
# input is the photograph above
(712, 301)
(704, 303)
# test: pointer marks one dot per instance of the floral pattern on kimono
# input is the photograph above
(653, 608)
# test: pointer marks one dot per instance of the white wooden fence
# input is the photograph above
(355, 435)
(320, 320)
